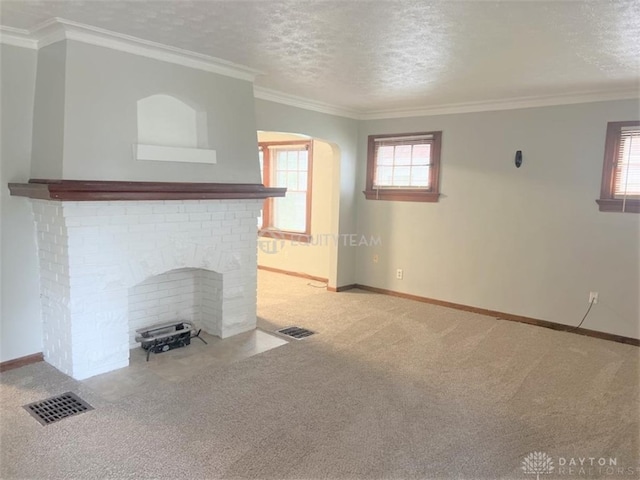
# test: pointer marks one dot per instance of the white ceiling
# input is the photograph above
(384, 55)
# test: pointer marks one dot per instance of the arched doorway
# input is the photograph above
(309, 250)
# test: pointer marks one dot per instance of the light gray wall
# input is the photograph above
(526, 241)
(48, 113)
(20, 323)
(342, 133)
(100, 128)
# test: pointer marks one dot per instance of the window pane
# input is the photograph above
(403, 164)
(402, 176)
(292, 160)
(627, 180)
(292, 180)
(421, 154)
(403, 155)
(303, 161)
(290, 170)
(385, 155)
(261, 161)
(384, 177)
(627, 174)
(290, 212)
(281, 179)
(420, 176)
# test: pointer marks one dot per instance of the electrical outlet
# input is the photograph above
(399, 274)
(593, 297)
(375, 258)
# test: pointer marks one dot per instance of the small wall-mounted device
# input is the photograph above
(518, 158)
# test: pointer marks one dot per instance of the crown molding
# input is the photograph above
(506, 104)
(304, 103)
(446, 109)
(17, 37)
(58, 29)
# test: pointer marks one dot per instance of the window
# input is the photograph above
(287, 164)
(620, 191)
(404, 167)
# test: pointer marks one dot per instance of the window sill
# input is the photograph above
(279, 235)
(615, 205)
(402, 195)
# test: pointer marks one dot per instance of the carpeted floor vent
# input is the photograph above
(295, 332)
(56, 408)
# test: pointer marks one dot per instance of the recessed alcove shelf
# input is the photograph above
(160, 153)
(170, 130)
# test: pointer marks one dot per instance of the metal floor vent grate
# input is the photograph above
(56, 408)
(296, 332)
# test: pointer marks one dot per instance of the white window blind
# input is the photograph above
(627, 168)
(402, 162)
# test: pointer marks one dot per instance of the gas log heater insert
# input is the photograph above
(167, 336)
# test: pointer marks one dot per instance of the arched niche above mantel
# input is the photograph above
(170, 130)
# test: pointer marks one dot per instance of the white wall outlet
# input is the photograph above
(593, 297)
(375, 258)
(399, 274)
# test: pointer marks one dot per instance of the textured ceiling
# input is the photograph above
(375, 55)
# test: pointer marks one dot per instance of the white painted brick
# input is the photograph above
(167, 227)
(111, 210)
(195, 208)
(244, 229)
(211, 225)
(175, 217)
(138, 210)
(167, 208)
(222, 231)
(199, 217)
(139, 227)
(154, 218)
(114, 229)
(79, 211)
(125, 219)
(231, 238)
(213, 206)
(93, 253)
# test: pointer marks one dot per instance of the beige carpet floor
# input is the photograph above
(388, 388)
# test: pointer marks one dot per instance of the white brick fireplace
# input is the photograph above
(94, 254)
(108, 266)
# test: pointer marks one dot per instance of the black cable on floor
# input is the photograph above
(583, 318)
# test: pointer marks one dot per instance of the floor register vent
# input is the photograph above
(56, 408)
(295, 332)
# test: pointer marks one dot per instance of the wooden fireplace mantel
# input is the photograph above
(97, 190)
